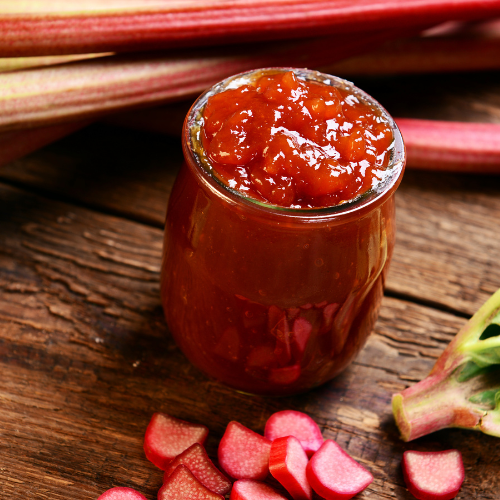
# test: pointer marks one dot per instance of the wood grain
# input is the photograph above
(86, 356)
(86, 359)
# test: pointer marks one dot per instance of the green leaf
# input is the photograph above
(487, 399)
(492, 330)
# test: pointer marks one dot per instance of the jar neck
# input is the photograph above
(201, 167)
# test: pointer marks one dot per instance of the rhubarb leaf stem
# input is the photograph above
(463, 388)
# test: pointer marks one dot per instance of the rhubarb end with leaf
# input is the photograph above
(463, 388)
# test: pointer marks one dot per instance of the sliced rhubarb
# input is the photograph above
(297, 424)
(195, 458)
(287, 464)
(166, 437)
(244, 454)
(451, 146)
(121, 493)
(433, 475)
(181, 484)
(248, 489)
(334, 475)
(57, 27)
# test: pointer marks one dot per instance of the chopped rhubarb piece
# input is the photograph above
(244, 454)
(166, 437)
(431, 475)
(121, 493)
(195, 458)
(228, 346)
(181, 484)
(248, 489)
(302, 331)
(261, 356)
(284, 376)
(334, 475)
(297, 424)
(287, 463)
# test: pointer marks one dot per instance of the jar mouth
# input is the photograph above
(193, 148)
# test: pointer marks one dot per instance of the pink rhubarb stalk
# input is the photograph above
(59, 27)
(463, 388)
(451, 146)
(93, 87)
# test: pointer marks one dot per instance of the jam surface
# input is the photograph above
(294, 143)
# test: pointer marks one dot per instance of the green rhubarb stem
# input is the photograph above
(34, 27)
(463, 388)
(21, 63)
(433, 404)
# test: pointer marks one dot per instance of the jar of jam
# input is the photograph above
(280, 228)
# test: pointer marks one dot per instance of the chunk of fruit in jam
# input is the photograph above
(295, 143)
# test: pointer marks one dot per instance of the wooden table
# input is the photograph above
(86, 356)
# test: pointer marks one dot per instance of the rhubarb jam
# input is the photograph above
(280, 229)
(295, 143)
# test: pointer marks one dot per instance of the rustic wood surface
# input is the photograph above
(85, 353)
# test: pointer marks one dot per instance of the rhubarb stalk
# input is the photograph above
(19, 63)
(31, 28)
(463, 388)
(18, 143)
(451, 146)
(43, 96)
(423, 55)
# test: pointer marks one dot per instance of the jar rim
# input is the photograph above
(365, 201)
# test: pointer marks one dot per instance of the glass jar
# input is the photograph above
(272, 300)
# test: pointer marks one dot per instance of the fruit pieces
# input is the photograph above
(248, 489)
(433, 475)
(297, 424)
(166, 437)
(334, 475)
(287, 464)
(244, 454)
(182, 484)
(121, 493)
(195, 458)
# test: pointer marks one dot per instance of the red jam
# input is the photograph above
(268, 300)
(295, 143)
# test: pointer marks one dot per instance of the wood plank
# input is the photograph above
(86, 359)
(447, 242)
